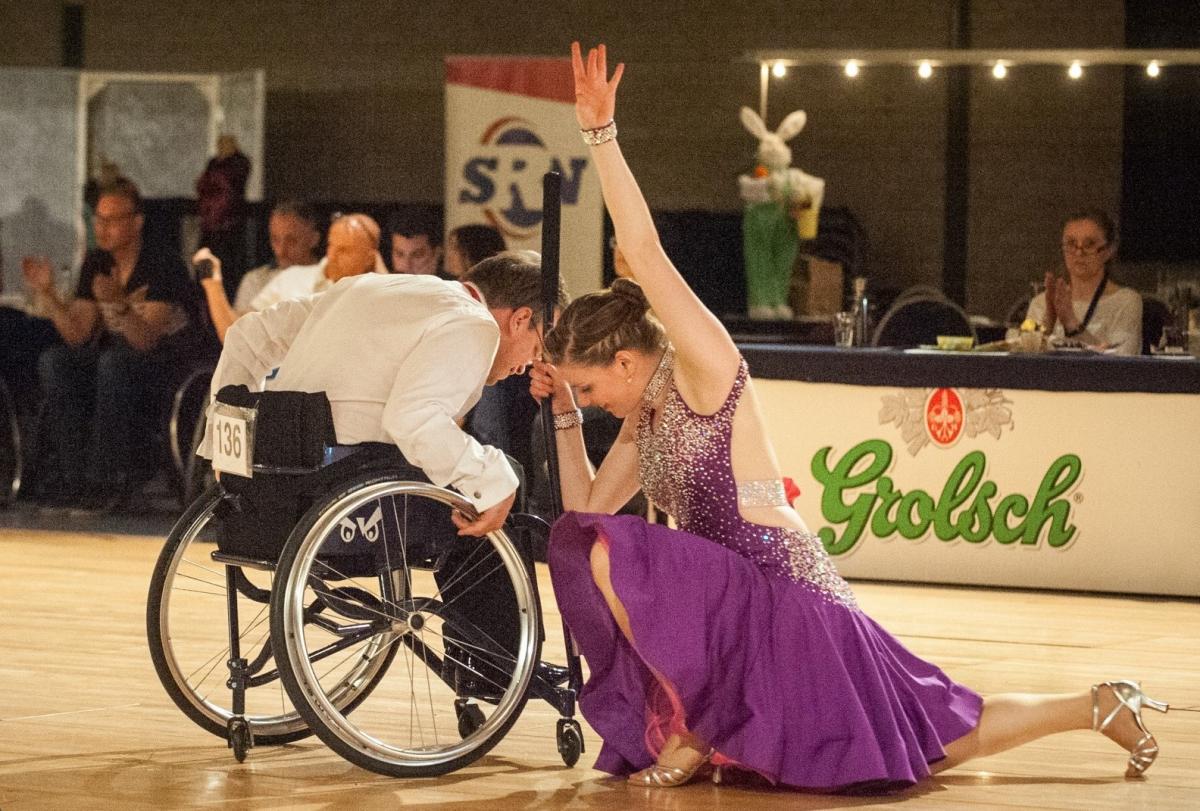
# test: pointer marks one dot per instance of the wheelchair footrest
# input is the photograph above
(244, 562)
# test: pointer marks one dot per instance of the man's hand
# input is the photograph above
(214, 278)
(489, 520)
(39, 273)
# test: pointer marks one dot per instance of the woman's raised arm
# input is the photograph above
(705, 353)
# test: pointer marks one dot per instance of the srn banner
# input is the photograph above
(509, 120)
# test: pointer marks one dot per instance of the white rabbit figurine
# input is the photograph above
(782, 205)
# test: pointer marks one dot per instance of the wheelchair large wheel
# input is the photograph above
(187, 623)
(448, 667)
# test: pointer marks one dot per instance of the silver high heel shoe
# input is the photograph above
(1130, 697)
(669, 776)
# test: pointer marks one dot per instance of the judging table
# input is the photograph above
(1063, 470)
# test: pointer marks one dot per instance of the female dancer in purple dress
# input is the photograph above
(733, 640)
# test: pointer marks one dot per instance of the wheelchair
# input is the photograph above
(329, 594)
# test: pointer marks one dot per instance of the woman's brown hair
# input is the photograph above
(595, 327)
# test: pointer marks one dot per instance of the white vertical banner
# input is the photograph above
(509, 120)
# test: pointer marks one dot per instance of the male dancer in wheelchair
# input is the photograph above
(401, 359)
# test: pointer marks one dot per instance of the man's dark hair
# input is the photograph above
(302, 211)
(513, 279)
(411, 224)
(125, 188)
(477, 242)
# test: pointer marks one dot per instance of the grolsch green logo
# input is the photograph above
(857, 496)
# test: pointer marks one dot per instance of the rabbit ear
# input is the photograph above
(792, 125)
(753, 123)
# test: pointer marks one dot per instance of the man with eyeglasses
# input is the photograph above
(117, 334)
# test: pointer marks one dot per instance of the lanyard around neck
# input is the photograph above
(1091, 310)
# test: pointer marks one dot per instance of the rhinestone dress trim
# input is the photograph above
(666, 365)
(762, 493)
(685, 467)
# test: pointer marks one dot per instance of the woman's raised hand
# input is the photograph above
(595, 93)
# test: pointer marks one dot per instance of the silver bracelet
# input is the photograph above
(600, 135)
(567, 420)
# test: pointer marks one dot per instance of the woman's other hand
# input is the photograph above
(595, 94)
(545, 381)
(1064, 308)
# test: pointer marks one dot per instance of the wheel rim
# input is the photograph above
(193, 629)
(414, 723)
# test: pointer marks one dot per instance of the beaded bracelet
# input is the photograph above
(600, 135)
(567, 420)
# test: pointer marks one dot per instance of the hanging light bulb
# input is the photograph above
(779, 70)
(999, 70)
(852, 68)
(925, 69)
(1076, 70)
(1153, 69)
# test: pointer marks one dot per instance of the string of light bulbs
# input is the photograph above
(999, 62)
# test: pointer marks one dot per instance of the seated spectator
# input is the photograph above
(118, 342)
(221, 203)
(468, 245)
(295, 237)
(353, 241)
(415, 244)
(1086, 305)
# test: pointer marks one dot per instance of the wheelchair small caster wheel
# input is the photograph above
(240, 738)
(570, 740)
(470, 718)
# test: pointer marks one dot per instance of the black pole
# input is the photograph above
(958, 161)
(551, 225)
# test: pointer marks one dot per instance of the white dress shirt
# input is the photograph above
(299, 281)
(401, 358)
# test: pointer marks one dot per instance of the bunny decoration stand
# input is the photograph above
(782, 207)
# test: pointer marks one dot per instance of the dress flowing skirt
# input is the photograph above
(777, 676)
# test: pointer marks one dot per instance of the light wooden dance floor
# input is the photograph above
(85, 724)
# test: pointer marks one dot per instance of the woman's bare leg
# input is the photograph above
(679, 751)
(1012, 719)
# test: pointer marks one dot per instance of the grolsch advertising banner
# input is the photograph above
(1006, 487)
(509, 120)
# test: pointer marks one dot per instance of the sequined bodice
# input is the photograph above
(685, 466)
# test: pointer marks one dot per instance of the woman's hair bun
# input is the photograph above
(630, 291)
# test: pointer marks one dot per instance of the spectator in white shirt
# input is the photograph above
(402, 359)
(353, 250)
(295, 238)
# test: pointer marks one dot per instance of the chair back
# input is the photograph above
(1155, 315)
(1017, 310)
(919, 320)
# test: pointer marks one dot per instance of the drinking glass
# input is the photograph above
(843, 329)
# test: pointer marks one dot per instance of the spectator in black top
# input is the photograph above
(221, 203)
(118, 334)
(468, 245)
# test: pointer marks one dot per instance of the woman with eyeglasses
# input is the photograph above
(1087, 306)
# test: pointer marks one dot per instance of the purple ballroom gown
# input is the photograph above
(766, 655)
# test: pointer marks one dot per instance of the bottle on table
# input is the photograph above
(862, 313)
